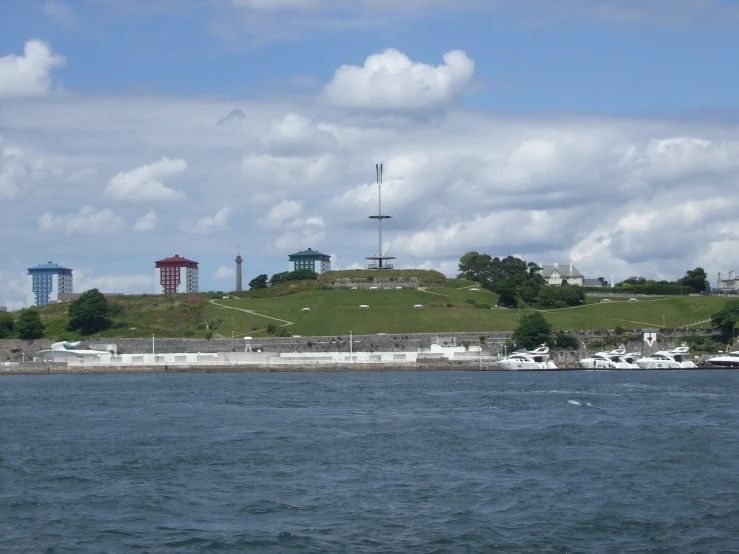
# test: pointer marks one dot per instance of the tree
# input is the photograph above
(259, 282)
(532, 331)
(297, 275)
(695, 279)
(506, 290)
(271, 328)
(6, 325)
(90, 313)
(725, 319)
(473, 265)
(278, 278)
(633, 281)
(29, 325)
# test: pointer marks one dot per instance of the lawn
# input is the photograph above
(337, 311)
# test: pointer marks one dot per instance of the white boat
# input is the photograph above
(667, 359)
(531, 359)
(728, 360)
(615, 359)
(65, 351)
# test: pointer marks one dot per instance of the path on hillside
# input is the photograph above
(554, 311)
(431, 292)
(285, 322)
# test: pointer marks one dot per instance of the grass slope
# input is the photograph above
(336, 312)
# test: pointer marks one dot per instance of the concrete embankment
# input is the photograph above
(36, 368)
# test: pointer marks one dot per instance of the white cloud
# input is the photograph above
(59, 13)
(285, 211)
(296, 135)
(89, 221)
(118, 283)
(147, 223)
(289, 171)
(13, 174)
(390, 80)
(208, 225)
(287, 217)
(13, 291)
(224, 273)
(292, 240)
(143, 184)
(600, 190)
(29, 74)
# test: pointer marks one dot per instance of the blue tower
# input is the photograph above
(46, 282)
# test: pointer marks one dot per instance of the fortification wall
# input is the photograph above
(376, 282)
(13, 350)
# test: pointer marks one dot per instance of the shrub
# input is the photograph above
(208, 334)
(29, 326)
(271, 328)
(566, 341)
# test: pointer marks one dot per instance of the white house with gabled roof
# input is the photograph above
(556, 274)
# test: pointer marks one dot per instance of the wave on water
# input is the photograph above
(579, 403)
(393, 463)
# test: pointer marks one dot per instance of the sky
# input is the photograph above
(599, 131)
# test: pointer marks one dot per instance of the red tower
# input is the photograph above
(173, 272)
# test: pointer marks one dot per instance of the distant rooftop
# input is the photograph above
(562, 269)
(49, 265)
(309, 253)
(175, 259)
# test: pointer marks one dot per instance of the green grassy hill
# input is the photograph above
(336, 312)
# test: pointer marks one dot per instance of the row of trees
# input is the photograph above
(28, 326)
(694, 281)
(89, 314)
(517, 281)
(262, 281)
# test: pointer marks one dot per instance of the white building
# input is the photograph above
(175, 274)
(727, 285)
(46, 282)
(310, 259)
(555, 274)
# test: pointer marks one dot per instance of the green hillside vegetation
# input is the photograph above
(336, 312)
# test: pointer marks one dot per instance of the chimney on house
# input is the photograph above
(719, 275)
(556, 265)
(570, 267)
(732, 274)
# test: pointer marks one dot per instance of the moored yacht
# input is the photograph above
(615, 359)
(528, 359)
(728, 360)
(667, 359)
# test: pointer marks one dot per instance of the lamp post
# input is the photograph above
(152, 343)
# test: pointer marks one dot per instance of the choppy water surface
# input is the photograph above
(371, 462)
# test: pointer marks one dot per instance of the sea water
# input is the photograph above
(621, 461)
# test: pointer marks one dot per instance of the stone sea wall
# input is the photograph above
(590, 341)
